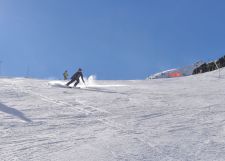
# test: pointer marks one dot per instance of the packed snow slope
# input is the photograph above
(178, 119)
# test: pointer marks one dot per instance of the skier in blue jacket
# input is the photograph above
(76, 77)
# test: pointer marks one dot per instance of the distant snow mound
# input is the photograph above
(163, 74)
(185, 71)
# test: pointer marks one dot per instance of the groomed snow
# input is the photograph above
(179, 119)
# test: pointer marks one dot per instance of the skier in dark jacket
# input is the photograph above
(76, 77)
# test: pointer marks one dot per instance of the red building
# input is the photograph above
(175, 74)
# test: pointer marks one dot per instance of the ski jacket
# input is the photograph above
(77, 75)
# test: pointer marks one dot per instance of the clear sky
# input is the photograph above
(113, 39)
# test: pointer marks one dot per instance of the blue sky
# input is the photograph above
(113, 39)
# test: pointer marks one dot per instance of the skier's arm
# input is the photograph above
(73, 76)
(82, 78)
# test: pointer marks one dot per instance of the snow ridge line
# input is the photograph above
(93, 107)
(59, 102)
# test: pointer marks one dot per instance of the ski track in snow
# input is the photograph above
(158, 120)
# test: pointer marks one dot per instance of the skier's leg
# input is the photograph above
(70, 82)
(77, 81)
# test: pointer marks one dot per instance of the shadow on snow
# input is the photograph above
(14, 112)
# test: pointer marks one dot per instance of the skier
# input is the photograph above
(76, 77)
(65, 75)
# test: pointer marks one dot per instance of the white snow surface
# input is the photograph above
(177, 119)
